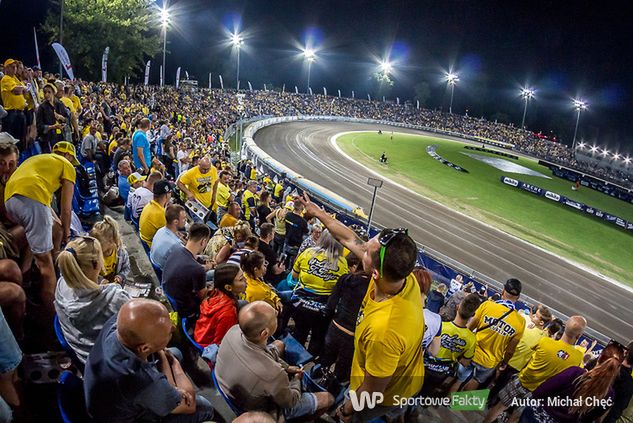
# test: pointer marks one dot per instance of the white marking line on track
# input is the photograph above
(333, 141)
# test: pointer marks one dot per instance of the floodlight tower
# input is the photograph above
(451, 79)
(164, 20)
(238, 42)
(386, 67)
(526, 94)
(310, 57)
(579, 106)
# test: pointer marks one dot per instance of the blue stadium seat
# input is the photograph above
(189, 337)
(295, 354)
(70, 399)
(234, 408)
(172, 302)
(62, 340)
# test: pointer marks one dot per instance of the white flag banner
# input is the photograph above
(369, 97)
(186, 74)
(161, 76)
(209, 80)
(383, 99)
(178, 77)
(63, 57)
(265, 87)
(324, 91)
(418, 103)
(397, 100)
(147, 67)
(296, 90)
(339, 93)
(104, 65)
(250, 87)
(310, 90)
(221, 82)
(353, 94)
(37, 49)
(283, 88)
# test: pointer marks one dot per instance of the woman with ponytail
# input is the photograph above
(82, 305)
(575, 394)
(116, 261)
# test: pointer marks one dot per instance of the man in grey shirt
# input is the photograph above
(89, 145)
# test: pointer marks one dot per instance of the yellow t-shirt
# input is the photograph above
(68, 103)
(456, 343)
(524, 350)
(109, 263)
(493, 341)
(258, 290)
(201, 185)
(550, 358)
(76, 102)
(253, 174)
(388, 341)
(227, 221)
(112, 146)
(278, 190)
(315, 273)
(151, 220)
(9, 100)
(249, 203)
(39, 177)
(222, 195)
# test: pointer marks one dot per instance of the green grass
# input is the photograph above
(479, 194)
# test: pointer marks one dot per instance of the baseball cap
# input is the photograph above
(135, 177)
(9, 62)
(162, 187)
(66, 147)
(290, 205)
(7, 138)
(513, 287)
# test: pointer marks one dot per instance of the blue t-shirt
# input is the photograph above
(162, 244)
(139, 140)
(120, 387)
(124, 188)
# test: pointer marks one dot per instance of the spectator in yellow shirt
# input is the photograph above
(153, 215)
(197, 182)
(254, 266)
(222, 195)
(13, 94)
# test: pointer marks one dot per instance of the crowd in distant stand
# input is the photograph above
(273, 265)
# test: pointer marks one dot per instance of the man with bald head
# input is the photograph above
(130, 376)
(549, 358)
(254, 376)
(197, 183)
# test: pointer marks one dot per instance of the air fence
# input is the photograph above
(442, 267)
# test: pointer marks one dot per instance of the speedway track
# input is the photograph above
(305, 147)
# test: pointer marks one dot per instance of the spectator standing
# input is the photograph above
(125, 170)
(141, 151)
(456, 284)
(49, 119)
(499, 330)
(218, 312)
(122, 151)
(221, 196)
(317, 269)
(28, 196)
(436, 298)
(275, 269)
(89, 145)
(130, 376)
(263, 205)
(254, 376)
(296, 229)
(168, 237)
(388, 340)
(249, 203)
(153, 215)
(278, 217)
(197, 182)
(82, 304)
(315, 233)
(13, 92)
(184, 278)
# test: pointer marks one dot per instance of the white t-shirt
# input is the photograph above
(455, 286)
(432, 327)
(139, 199)
(182, 167)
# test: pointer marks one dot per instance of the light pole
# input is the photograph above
(237, 42)
(376, 183)
(310, 57)
(164, 19)
(61, 34)
(526, 94)
(451, 79)
(579, 105)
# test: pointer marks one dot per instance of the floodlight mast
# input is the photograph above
(451, 79)
(164, 20)
(310, 57)
(237, 42)
(579, 106)
(526, 94)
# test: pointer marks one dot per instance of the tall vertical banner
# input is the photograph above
(186, 74)
(339, 93)
(209, 80)
(310, 90)
(383, 99)
(147, 66)
(64, 59)
(265, 87)
(37, 49)
(397, 100)
(418, 103)
(104, 65)
(178, 77)
(296, 90)
(324, 91)
(352, 93)
(369, 97)
(250, 87)
(283, 88)
(161, 76)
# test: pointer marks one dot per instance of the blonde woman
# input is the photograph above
(116, 261)
(82, 305)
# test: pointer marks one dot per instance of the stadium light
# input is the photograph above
(616, 156)
(164, 20)
(579, 106)
(594, 149)
(451, 79)
(238, 41)
(627, 160)
(605, 152)
(310, 56)
(526, 94)
(386, 67)
(581, 145)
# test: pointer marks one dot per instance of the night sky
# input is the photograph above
(562, 49)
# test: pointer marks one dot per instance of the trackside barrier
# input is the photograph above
(443, 268)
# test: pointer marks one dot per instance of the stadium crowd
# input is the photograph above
(256, 272)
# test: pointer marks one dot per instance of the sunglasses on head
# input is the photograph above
(385, 239)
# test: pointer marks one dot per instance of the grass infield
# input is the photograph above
(479, 194)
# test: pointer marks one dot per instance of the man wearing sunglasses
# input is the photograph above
(388, 356)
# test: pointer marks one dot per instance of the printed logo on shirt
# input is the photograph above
(499, 326)
(453, 343)
(563, 355)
